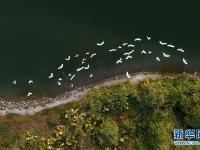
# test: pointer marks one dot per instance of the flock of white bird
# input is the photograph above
(127, 55)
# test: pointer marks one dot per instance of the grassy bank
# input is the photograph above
(124, 116)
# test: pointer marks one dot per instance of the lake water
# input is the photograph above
(35, 37)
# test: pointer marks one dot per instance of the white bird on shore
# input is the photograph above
(30, 81)
(137, 39)
(14, 82)
(51, 75)
(148, 38)
(59, 83)
(71, 86)
(72, 77)
(77, 55)
(180, 49)
(60, 79)
(87, 67)
(68, 58)
(129, 57)
(29, 94)
(91, 75)
(100, 44)
(112, 50)
(157, 58)
(92, 55)
(128, 53)
(128, 75)
(162, 43)
(119, 47)
(143, 52)
(185, 61)
(79, 69)
(131, 45)
(170, 45)
(166, 55)
(60, 67)
(119, 61)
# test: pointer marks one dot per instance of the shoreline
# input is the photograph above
(32, 107)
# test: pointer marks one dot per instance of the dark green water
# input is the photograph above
(36, 36)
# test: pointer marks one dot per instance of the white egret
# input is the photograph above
(87, 67)
(92, 55)
(51, 75)
(59, 83)
(143, 52)
(157, 58)
(60, 67)
(128, 75)
(131, 45)
(29, 94)
(185, 61)
(129, 57)
(166, 55)
(60, 79)
(170, 45)
(112, 50)
(180, 49)
(68, 58)
(137, 39)
(100, 44)
(128, 53)
(119, 61)
(79, 69)
(91, 75)
(148, 38)
(162, 43)
(30, 81)
(77, 55)
(14, 82)
(72, 77)
(71, 85)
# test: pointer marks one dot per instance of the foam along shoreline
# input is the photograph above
(31, 107)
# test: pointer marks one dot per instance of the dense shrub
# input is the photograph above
(126, 116)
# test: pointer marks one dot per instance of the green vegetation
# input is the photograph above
(124, 116)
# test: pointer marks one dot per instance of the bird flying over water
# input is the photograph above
(131, 45)
(119, 61)
(60, 67)
(14, 82)
(180, 50)
(162, 43)
(143, 52)
(92, 55)
(157, 58)
(100, 44)
(30, 81)
(185, 61)
(72, 77)
(137, 39)
(68, 58)
(51, 75)
(112, 50)
(170, 45)
(148, 38)
(166, 55)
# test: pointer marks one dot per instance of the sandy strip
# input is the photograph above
(33, 106)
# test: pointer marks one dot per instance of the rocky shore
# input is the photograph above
(30, 107)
